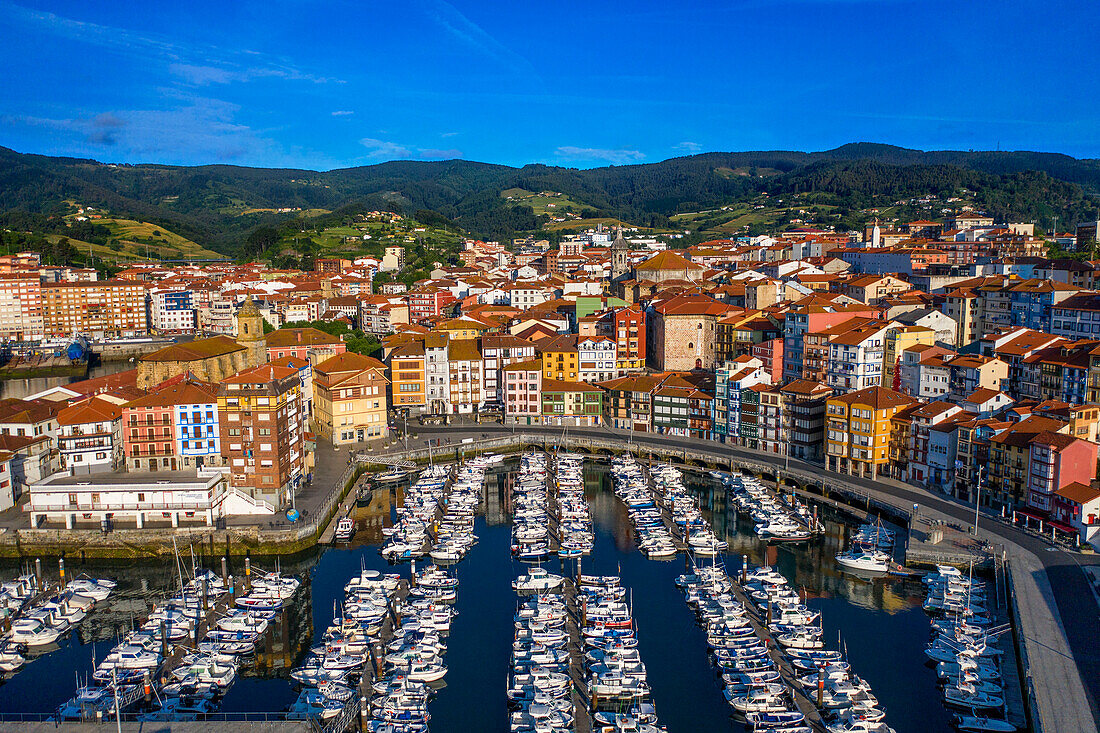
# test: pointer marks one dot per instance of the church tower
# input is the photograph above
(620, 256)
(250, 333)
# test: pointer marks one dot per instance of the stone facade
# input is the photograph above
(681, 342)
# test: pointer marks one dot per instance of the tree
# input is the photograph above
(261, 240)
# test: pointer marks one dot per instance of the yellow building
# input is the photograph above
(897, 341)
(559, 358)
(407, 376)
(858, 430)
(350, 398)
(462, 328)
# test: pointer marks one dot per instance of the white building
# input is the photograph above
(855, 358)
(172, 311)
(90, 437)
(596, 359)
(135, 499)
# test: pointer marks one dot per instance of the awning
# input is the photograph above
(1048, 521)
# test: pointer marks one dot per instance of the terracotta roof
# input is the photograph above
(666, 260)
(93, 410)
(878, 398)
(14, 410)
(531, 365)
(349, 361)
(805, 387)
(463, 350)
(1078, 493)
(290, 337)
(262, 374)
(981, 395)
(195, 350)
(554, 385)
(179, 393)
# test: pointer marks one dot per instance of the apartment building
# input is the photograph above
(630, 335)
(407, 377)
(89, 437)
(99, 310)
(560, 358)
(498, 351)
(859, 429)
(856, 356)
(570, 403)
(172, 428)
(682, 408)
(350, 399)
(523, 392)
(171, 311)
(261, 422)
(1056, 460)
(971, 372)
(730, 382)
(466, 377)
(21, 317)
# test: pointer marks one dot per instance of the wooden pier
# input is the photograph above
(582, 703)
(787, 672)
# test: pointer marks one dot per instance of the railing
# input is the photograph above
(253, 501)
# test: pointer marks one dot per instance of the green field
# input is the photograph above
(541, 203)
(139, 240)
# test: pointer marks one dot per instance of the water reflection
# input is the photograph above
(880, 622)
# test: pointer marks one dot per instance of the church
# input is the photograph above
(662, 270)
(212, 359)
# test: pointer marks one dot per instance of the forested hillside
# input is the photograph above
(217, 206)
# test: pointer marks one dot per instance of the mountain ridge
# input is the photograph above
(213, 204)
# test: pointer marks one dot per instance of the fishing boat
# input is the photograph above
(345, 529)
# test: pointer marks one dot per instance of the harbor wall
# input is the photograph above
(125, 350)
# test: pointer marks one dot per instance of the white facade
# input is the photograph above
(90, 447)
(857, 366)
(198, 441)
(164, 496)
(596, 359)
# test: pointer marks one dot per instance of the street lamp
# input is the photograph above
(977, 498)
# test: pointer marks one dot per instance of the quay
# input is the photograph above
(583, 705)
(1051, 601)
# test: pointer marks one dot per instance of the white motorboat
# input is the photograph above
(345, 529)
(865, 560)
(33, 632)
(537, 580)
(980, 724)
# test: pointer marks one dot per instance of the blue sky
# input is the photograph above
(580, 83)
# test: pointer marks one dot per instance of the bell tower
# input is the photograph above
(250, 333)
(620, 256)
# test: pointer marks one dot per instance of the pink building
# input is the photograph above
(771, 353)
(1055, 461)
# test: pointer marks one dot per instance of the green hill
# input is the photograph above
(216, 207)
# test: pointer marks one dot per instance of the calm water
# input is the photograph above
(881, 623)
(23, 388)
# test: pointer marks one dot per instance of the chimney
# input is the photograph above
(299, 337)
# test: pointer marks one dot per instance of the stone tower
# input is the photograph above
(250, 333)
(620, 256)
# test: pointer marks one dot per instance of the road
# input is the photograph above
(1069, 585)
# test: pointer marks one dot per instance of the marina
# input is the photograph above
(684, 686)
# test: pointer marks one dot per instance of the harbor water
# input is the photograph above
(880, 623)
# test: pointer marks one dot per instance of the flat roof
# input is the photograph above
(131, 478)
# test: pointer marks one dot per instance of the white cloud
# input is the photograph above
(687, 147)
(196, 64)
(389, 150)
(342, 113)
(615, 156)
